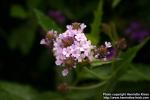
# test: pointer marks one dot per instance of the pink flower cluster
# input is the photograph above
(72, 47)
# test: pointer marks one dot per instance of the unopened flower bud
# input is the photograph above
(121, 44)
(101, 52)
(49, 39)
(76, 26)
(50, 35)
(69, 62)
(105, 52)
(63, 87)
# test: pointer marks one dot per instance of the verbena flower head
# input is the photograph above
(104, 52)
(72, 47)
(49, 38)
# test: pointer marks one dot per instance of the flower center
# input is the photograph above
(50, 36)
(75, 26)
(102, 51)
(68, 41)
(69, 62)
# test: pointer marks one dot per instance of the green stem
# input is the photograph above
(139, 73)
(76, 81)
(88, 87)
(114, 61)
(114, 32)
(110, 34)
(95, 65)
(91, 72)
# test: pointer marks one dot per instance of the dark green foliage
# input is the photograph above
(29, 20)
(45, 22)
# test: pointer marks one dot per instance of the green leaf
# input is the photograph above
(138, 72)
(34, 3)
(98, 63)
(48, 96)
(80, 95)
(131, 52)
(45, 22)
(13, 91)
(23, 37)
(101, 73)
(93, 39)
(57, 4)
(4, 95)
(128, 56)
(122, 66)
(115, 3)
(18, 12)
(95, 26)
(132, 87)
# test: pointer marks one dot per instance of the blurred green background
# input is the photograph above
(27, 69)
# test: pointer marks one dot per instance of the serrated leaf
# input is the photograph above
(45, 22)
